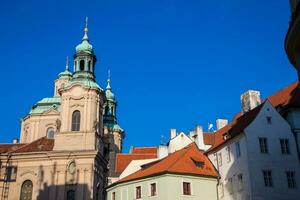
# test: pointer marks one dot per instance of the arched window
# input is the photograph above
(50, 133)
(26, 190)
(89, 66)
(81, 65)
(70, 195)
(76, 121)
(106, 110)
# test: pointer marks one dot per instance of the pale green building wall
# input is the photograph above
(169, 187)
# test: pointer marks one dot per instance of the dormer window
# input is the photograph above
(198, 163)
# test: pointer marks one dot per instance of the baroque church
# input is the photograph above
(68, 142)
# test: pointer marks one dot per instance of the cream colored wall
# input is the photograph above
(169, 187)
(49, 175)
(88, 102)
(58, 84)
(35, 126)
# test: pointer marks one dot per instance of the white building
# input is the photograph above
(257, 154)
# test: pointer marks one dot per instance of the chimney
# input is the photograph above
(221, 123)
(172, 133)
(250, 100)
(15, 141)
(192, 134)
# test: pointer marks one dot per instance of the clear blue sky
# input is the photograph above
(174, 64)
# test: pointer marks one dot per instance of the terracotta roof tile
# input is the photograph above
(123, 160)
(42, 144)
(4, 148)
(144, 150)
(180, 162)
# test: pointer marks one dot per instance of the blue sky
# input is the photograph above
(174, 64)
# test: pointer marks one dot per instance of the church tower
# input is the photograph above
(82, 100)
(113, 133)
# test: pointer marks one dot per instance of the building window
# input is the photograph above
(240, 182)
(220, 159)
(263, 144)
(81, 65)
(113, 196)
(237, 149)
(70, 195)
(186, 188)
(26, 190)
(153, 189)
(50, 133)
(89, 66)
(229, 185)
(269, 119)
(285, 147)
(228, 158)
(76, 121)
(268, 178)
(138, 192)
(291, 179)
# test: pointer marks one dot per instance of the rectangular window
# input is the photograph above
(291, 179)
(153, 189)
(237, 149)
(228, 154)
(220, 159)
(263, 144)
(240, 182)
(113, 196)
(285, 147)
(138, 192)
(186, 188)
(269, 119)
(268, 178)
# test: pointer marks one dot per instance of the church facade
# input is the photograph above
(68, 141)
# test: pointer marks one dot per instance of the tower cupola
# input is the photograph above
(84, 58)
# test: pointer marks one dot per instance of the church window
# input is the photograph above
(81, 65)
(50, 133)
(89, 66)
(76, 121)
(71, 195)
(26, 190)
(106, 110)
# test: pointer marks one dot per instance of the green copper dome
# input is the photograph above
(85, 46)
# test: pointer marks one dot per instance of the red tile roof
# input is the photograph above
(287, 97)
(41, 144)
(144, 150)
(180, 162)
(4, 148)
(123, 160)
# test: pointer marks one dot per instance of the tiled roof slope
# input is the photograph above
(180, 162)
(287, 97)
(123, 160)
(42, 144)
(209, 138)
(4, 148)
(144, 150)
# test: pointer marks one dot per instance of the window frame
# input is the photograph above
(291, 180)
(76, 122)
(138, 195)
(228, 156)
(285, 146)
(189, 191)
(268, 178)
(263, 145)
(150, 189)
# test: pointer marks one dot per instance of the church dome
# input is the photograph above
(85, 46)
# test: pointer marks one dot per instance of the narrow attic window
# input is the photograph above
(198, 163)
(269, 119)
